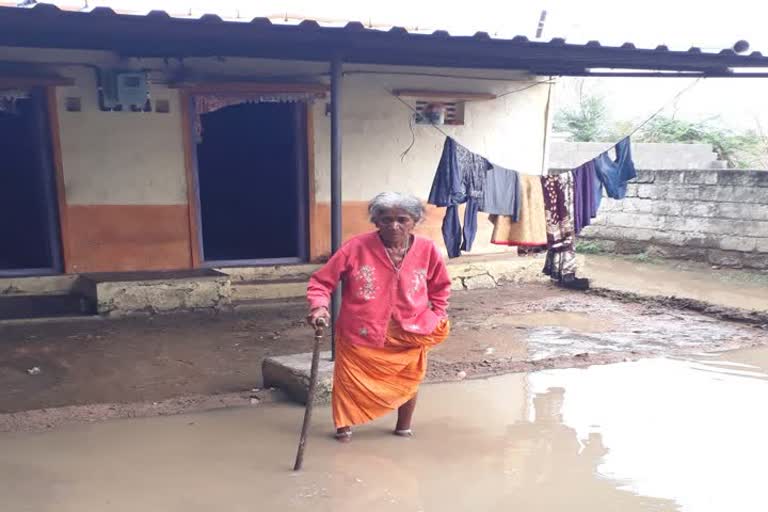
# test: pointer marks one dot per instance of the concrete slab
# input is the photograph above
(37, 285)
(291, 375)
(269, 272)
(161, 292)
(467, 273)
(244, 291)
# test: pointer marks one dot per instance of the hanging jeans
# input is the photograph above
(459, 179)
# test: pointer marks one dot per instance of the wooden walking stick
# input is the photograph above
(319, 327)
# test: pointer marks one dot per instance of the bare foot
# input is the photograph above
(343, 434)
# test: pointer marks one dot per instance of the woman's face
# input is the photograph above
(395, 225)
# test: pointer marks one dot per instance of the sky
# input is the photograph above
(679, 24)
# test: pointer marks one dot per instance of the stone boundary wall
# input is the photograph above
(567, 155)
(717, 216)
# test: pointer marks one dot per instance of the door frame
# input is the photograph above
(47, 125)
(304, 167)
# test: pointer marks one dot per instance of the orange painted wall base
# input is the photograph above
(117, 238)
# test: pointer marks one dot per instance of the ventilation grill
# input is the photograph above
(454, 110)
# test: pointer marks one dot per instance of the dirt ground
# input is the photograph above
(511, 328)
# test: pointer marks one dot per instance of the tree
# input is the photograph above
(740, 150)
(585, 118)
(587, 121)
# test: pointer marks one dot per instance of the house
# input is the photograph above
(144, 143)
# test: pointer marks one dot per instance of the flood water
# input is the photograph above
(655, 435)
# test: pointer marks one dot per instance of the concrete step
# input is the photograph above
(268, 289)
(37, 285)
(269, 273)
(52, 305)
(467, 273)
(130, 293)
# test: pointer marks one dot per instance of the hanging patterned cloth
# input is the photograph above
(561, 250)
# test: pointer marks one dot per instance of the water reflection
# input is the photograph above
(655, 435)
(691, 431)
(554, 469)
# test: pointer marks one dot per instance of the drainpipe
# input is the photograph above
(336, 77)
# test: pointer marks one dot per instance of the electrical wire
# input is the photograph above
(413, 139)
(550, 81)
(530, 86)
(415, 111)
(663, 107)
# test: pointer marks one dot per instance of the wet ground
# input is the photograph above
(661, 434)
(744, 289)
(105, 364)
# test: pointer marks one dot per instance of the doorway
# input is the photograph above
(29, 235)
(252, 184)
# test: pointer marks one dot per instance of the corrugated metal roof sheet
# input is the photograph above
(159, 34)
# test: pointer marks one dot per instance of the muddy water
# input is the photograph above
(660, 435)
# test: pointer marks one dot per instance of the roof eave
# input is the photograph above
(159, 35)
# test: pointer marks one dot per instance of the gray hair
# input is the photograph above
(389, 200)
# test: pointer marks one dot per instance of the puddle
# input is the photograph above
(655, 435)
(576, 321)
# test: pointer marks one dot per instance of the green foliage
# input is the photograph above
(740, 150)
(587, 122)
(584, 247)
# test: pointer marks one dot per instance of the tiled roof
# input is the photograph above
(159, 34)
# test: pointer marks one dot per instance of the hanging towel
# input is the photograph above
(531, 228)
(502, 193)
(585, 186)
(460, 178)
(559, 202)
(615, 173)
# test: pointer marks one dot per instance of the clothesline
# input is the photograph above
(662, 108)
(630, 134)
(415, 111)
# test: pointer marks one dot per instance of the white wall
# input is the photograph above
(509, 131)
(131, 158)
(126, 158)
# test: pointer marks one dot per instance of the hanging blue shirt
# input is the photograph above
(460, 178)
(614, 174)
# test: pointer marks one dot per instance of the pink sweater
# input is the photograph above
(373, 291)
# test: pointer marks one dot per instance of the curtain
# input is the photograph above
(206, 103)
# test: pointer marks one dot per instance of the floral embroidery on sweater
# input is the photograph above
(366, 277)
(418, 282)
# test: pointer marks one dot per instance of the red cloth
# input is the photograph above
(373, 291)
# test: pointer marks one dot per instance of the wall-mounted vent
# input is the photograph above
(73, 104)
(449, 112)
(441, 107)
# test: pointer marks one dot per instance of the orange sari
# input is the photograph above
(369, 382)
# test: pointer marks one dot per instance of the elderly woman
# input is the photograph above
(394, 298)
